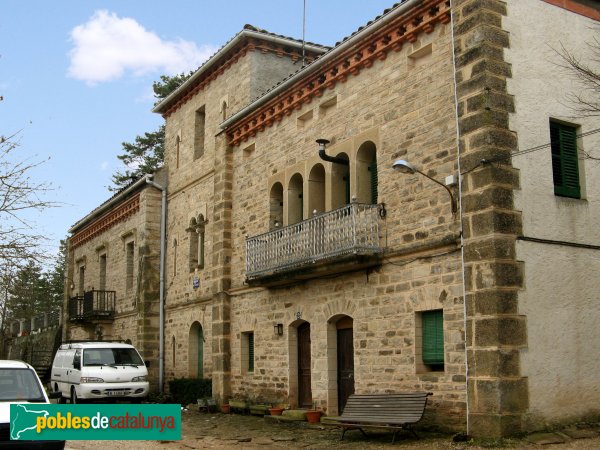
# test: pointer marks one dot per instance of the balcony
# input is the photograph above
(341, 240)
(92, 306)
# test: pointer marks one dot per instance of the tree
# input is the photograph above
(19, 196)
(147, 153)
(586, 72)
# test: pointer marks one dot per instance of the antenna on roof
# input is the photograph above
(303, 34)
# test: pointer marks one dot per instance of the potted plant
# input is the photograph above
(225, 409)
(313, 415)
(276, 410)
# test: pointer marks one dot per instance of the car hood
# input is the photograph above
(5, 409)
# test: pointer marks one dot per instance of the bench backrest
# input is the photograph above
(407, 407)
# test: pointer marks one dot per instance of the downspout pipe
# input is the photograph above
(325, 157)
(161, 314)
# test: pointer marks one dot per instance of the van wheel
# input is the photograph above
(61, 399)
(74, 399)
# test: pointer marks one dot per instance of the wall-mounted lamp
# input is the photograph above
(278, 329)
(406, 167)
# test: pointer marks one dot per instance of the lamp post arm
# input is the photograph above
(452, 199)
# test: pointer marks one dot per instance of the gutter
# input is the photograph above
(108, 205)
(232, 43)
(315, 66)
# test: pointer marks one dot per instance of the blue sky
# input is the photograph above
(76, 77)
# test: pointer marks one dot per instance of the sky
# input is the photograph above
(76, 78)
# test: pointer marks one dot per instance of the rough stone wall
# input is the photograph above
(202, 187)
(404, 106)
(136, 311)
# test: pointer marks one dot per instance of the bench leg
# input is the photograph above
(347, 428)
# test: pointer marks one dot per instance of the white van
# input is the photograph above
(99, 370)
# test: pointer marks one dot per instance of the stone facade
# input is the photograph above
(293, 277)
(116, 249)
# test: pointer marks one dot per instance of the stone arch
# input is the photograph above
(316, 190)
(340, 183)
(295, 199)
(196, 351)
(276, 206)
(366, 173)
(336, 324)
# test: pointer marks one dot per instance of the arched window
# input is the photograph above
(366, 168)
(340, 183)
(316, 190)
(276, 206)
(295, 201)
(196, 232)
(224, 110)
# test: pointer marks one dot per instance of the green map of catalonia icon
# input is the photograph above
(25, 419)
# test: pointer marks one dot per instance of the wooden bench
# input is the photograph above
(387, 411)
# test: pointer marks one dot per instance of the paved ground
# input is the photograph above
(219, 431)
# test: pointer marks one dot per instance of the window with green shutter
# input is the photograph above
(433, 338)
(250, 352)
(565, 163)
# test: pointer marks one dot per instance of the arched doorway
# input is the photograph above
(340, 345)
(196, 351)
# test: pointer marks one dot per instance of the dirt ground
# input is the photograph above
(220, 431)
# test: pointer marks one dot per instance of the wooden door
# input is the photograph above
(345, 352)
(304, 390)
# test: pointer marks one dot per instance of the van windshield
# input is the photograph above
(20, 385)
(111, 357)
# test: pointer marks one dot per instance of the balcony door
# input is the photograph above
(304, 389)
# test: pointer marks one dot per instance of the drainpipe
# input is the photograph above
(325, 157)
(161, 314)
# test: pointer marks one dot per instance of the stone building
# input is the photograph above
(299, 271)
(112, 277)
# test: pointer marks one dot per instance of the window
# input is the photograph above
(196, 231)
(177, 146)
(432, 343)
(174, 257)
(565, 164)
(248, 352)
(129, 249)
(103, 272)
(81, 279)
(199, 129)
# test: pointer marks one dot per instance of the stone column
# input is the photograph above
(221, 264)
(497, 393)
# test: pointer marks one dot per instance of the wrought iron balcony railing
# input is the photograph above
(92, 305)
(351, 230)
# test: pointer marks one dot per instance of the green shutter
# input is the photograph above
(433, 337)
(373, 170)
(565, 164)
(250, 352)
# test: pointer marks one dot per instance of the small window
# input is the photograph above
(199, 130)
(433, 339)
(81, 279)
(177, 146)
(247, 352)
(565, 163)
(129, 249)
(103, 272)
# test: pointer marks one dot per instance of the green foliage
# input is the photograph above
(147, 153)
(188, 390)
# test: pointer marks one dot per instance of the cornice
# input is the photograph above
(377, 45)
(106, 222)
(218, 69)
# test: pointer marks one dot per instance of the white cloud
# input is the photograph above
(107, 47)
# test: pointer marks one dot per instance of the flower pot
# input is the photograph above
(225, 409)
(313, 416)
(276, 411)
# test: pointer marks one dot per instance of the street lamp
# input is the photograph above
(403, 166)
